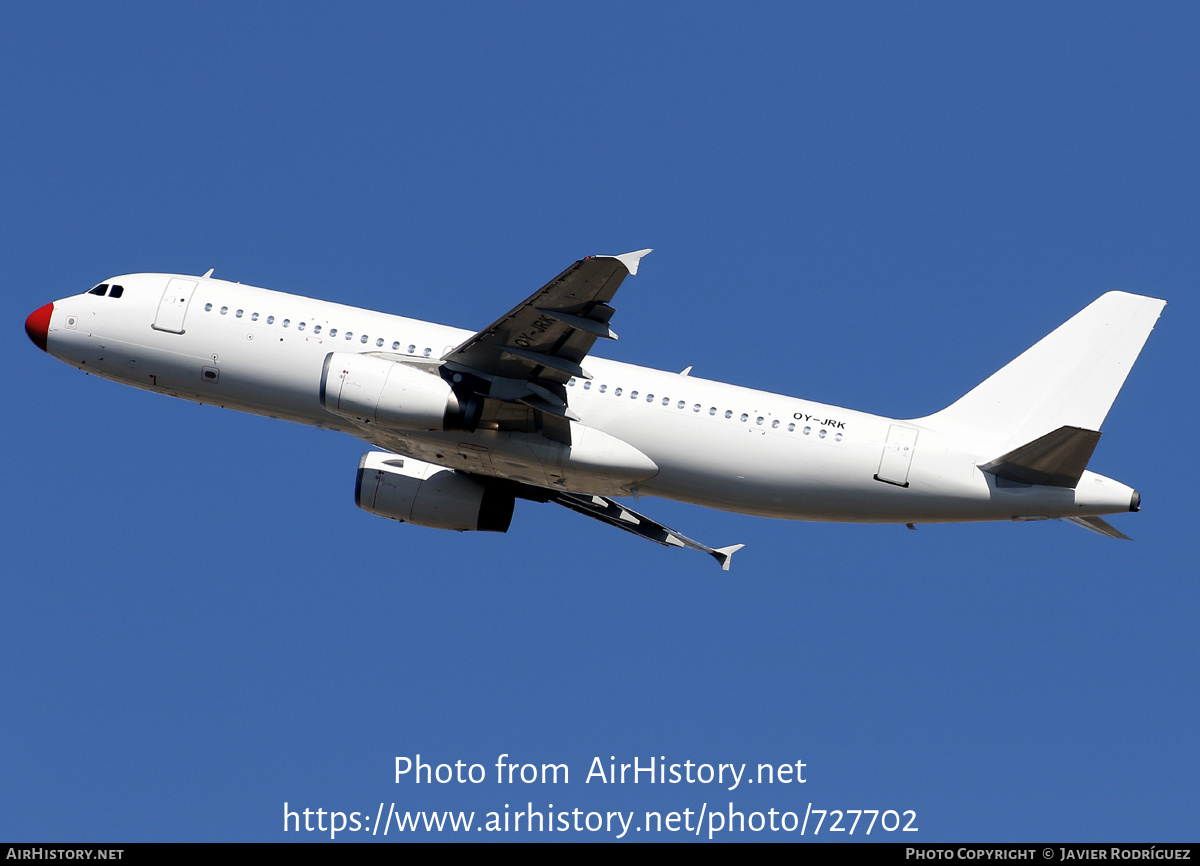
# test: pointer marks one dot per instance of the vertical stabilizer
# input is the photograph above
(1068, 379)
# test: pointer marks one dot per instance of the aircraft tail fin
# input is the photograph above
(1068, 379)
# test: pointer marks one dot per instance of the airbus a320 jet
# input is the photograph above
(468, 422)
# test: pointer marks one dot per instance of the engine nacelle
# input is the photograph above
(379, 391)
(413, 491)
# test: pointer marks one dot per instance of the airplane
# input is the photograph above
(468, 422)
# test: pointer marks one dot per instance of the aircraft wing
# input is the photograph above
(623, 517)
(531, 352)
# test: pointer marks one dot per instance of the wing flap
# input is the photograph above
(549, 362)
(595, 327)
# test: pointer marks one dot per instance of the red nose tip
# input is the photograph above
(38, 324)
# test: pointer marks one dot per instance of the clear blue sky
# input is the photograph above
(871, 205)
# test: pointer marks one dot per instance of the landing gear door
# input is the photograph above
(897, 455)
(174, 305)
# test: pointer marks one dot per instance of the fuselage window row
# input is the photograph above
(759, 420)
(332, 332)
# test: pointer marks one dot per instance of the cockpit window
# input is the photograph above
(116, 292)
(99, 290)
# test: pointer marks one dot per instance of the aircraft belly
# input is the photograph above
(806, 478)
(768, 473)
(793, 486)
(594, 463)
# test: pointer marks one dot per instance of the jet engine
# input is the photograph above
(413, 491)
(392, 394)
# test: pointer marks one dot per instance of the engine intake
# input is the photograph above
(413, 491)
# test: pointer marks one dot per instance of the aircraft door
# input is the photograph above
(174, 305)
(897, 455)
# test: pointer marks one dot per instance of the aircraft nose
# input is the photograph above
(38, 324)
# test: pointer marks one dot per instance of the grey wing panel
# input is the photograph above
(546, 338)
(622, 517)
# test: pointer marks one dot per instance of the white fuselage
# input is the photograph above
(710, 443)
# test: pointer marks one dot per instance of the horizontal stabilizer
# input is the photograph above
(1056, 459)
(1095, 524)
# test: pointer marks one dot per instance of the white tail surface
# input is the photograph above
(1069, 378)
